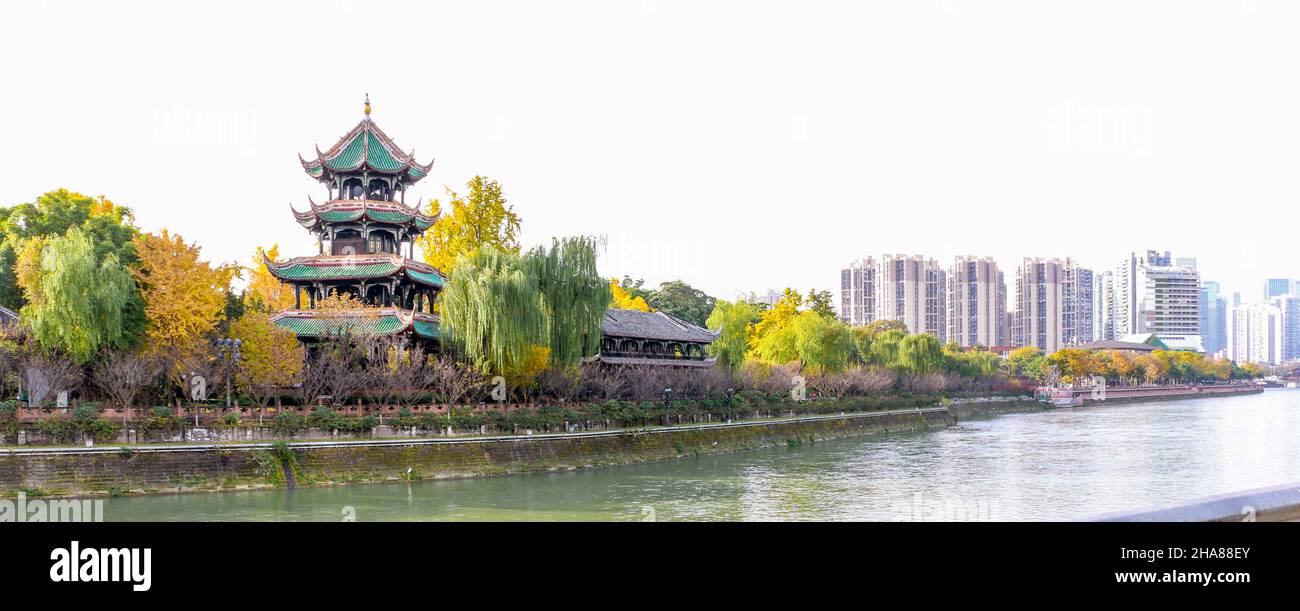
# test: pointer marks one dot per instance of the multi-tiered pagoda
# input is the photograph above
(367, 234)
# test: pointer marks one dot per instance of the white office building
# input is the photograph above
(1146, 293)
(1255, 334)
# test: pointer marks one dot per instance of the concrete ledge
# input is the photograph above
(1273, 504)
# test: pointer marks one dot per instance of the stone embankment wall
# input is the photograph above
(179, 468)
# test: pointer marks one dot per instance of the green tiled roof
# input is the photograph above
(366, 146)
(301, 271)
(426, 329)
(370, 321)
(339, 216)
(317, 327)
(358, 268)
(427, 278)
(379, 158)
(349, 157)
(387, 216)
(377, 211)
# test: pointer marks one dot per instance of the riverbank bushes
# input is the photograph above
(619, 413)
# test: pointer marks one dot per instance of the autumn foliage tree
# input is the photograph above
(272, 358)
(265, 292)
(622, 299)
(482, 217)
(184, 297)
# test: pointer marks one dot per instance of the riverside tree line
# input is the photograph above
(119, 317)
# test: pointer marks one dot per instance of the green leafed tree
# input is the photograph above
(493, 310)
(75, 299)
(821, 303)
(110, 228)
(733, 319)
(683, 301)
(920, 353)
(884, 347)
(574, 296)
(823, 344)
(500, 307)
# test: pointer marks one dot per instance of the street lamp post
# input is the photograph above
(229, 351)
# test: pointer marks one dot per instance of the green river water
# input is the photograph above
(1051, 465)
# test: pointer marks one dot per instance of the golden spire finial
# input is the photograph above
(367, 104)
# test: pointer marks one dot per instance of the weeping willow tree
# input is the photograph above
(75, 300)
(492, 310)
(574, 295)
(499, 307)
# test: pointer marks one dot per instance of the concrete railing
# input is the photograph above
(1273, 504)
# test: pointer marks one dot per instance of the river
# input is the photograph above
(1052, 465)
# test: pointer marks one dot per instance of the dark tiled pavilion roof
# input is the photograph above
(653, 325)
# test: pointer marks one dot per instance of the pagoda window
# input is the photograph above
(379, 190)
(347, 242)
(352, 189)
(381, 242)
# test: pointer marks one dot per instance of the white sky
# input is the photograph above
(735, 145)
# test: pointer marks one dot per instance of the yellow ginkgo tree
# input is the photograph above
(481, 217)
(623, 299)
(265, 292)
(184, 299)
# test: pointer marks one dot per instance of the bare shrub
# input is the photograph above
(564, 384)
(930, 382)
(647, 381)
(48, 374)
(453, 381)
(124, 376)
(605, 382)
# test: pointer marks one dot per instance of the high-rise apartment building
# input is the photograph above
(977, 302)
(912, 289)
(1078, 297)
(858, 292)
(1055, 304)
(1040, 287)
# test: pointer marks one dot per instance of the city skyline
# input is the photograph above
(1051, 303)
(793, 144)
